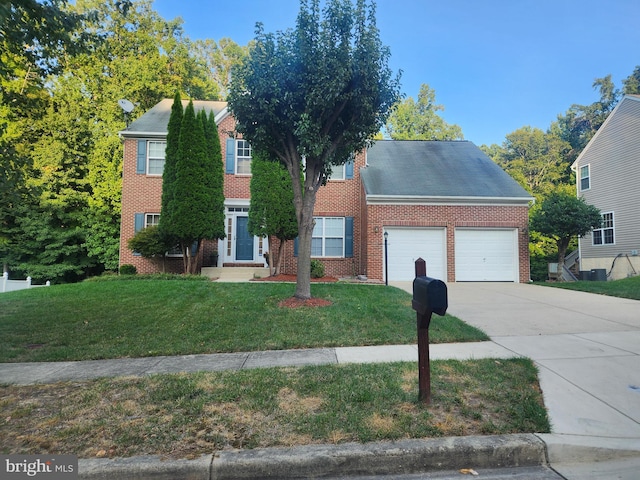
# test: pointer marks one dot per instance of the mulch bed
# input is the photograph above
(294, 302)
(292, 278)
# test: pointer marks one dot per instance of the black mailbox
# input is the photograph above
(429, 294)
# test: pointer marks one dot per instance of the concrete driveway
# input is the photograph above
(587, 348)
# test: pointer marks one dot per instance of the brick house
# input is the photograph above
(446, 202)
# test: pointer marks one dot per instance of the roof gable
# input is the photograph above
(622, 124)
(156, 120)
(406, 168)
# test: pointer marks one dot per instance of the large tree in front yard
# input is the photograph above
(312, 97)
(563, 216)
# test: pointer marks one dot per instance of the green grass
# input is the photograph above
(133, 318)
(625, 288)
(189, 415)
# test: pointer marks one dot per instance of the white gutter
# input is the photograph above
(444, 200)
(131, 133)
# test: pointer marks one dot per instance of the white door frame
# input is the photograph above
(227, 246)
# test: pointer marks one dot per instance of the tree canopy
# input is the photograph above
(562, 216)
(419, 120)
(316, 94)
(60, 153)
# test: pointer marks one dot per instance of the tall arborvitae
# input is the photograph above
(189, 220)
(170, 165)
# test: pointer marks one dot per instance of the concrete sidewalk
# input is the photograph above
(50, 372)
(587, 348)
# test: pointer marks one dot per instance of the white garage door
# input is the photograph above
(486, 255)
(406, 245)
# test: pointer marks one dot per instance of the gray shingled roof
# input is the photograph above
(155, 121)
(436, 169)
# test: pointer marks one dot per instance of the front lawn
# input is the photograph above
(625, 288)
(187, 415)
(140, 318)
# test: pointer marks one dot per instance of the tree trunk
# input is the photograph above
(563, 244)
(305, 234)
(278, 260)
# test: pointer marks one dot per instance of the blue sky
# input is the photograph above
(495, 65)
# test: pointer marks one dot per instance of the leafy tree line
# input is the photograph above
(64, 67)
(541, 162)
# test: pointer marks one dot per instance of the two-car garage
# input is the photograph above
(480, 254)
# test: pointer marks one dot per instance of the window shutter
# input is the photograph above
(231, 156)
(348, 237)
(139, 222)
(348, 170)
(138, 225)
(141, 157)
(295, 247)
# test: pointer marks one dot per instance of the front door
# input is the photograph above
(244, 241)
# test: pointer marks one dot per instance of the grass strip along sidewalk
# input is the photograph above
(186, 415)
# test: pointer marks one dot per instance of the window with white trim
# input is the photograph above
(585, 177)
(243, 157)
(151, 219)
(328, 237)
(605, 234)
(155, 157)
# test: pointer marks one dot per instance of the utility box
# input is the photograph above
(429, 294)
(599, 275)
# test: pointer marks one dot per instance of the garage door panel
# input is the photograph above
(406, 245)
(486, 255)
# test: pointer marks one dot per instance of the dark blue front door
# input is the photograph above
(244, 241)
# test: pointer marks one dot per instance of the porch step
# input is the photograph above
(234, 274)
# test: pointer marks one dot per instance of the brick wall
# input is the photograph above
(449, 217)
(338, 198)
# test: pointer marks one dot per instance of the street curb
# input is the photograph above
(380, 458)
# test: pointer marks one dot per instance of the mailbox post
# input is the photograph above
(429, 297)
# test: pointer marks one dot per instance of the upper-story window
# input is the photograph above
(243, 157)
(605, 234)
(155, 157)
(585, 178)
(342, 172)
(337, 172)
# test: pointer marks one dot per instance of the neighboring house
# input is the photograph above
(608, 177)
(446, 202)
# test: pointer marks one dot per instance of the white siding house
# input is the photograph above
(608, 177)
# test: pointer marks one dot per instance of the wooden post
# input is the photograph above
(423, 320)
(424, 367)
(421, 268)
